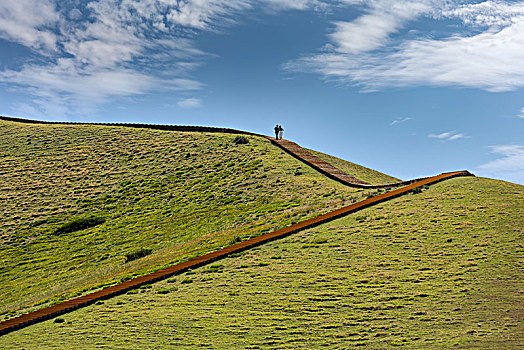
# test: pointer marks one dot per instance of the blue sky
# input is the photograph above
(410, 88)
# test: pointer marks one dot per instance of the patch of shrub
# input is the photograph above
(416, 190)
(38, 223)
(361, 219)
(215, 268)
(137, 254)
(240, 140)
(59, 320)
(79, 224)
(126, 278)
(235, 240)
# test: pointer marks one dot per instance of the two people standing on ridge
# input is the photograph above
(279, 131)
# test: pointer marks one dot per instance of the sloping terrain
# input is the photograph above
(365, 174)
(438, 269)
(171, 194)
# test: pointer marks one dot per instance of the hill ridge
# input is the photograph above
(289, 147)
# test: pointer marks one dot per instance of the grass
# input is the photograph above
(365, 174)
(441, 269)
(110, 191)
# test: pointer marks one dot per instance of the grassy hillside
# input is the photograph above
(77, 202)
(365, 174)
(441, 269)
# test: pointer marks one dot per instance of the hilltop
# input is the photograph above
(166, 195)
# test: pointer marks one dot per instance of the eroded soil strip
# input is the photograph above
(67, 306)
(327, 169)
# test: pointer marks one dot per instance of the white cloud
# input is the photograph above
(117, 51)
(522, 113)
(201, 14)
(372, 30)
(400, 120)
(28, 22)
(361, 52)
(490, 61)
(509, 166)
(189, 103)
(97, 50)
(295, 4)
(487, 13)
(444, 135)
(448, 136)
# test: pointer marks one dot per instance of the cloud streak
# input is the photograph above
(371, 31)
(509, 165)
(400, 121)
(361, 52)
(448, 136)
(189, 103)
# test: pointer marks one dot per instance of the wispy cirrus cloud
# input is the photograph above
(486, 13)
(296, 4)
(189, 103)
(97, 50)
(102, 50)
(30, 23)
(522, 113)
(486, 55)
(400, 120)
(371, 31)
(509, 165)
(449, 136)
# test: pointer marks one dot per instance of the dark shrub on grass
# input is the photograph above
(240, 140)
(416, 190)
(79, 224)
(59, 320)
(137, 254)
(235, 240)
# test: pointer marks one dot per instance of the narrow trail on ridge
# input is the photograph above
(327, 169)
(292, 148)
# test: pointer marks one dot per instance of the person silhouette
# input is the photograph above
(276, 131)
(280, 132)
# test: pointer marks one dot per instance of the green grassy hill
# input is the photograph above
(365, 174)
(441, 269)
(77, 202)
